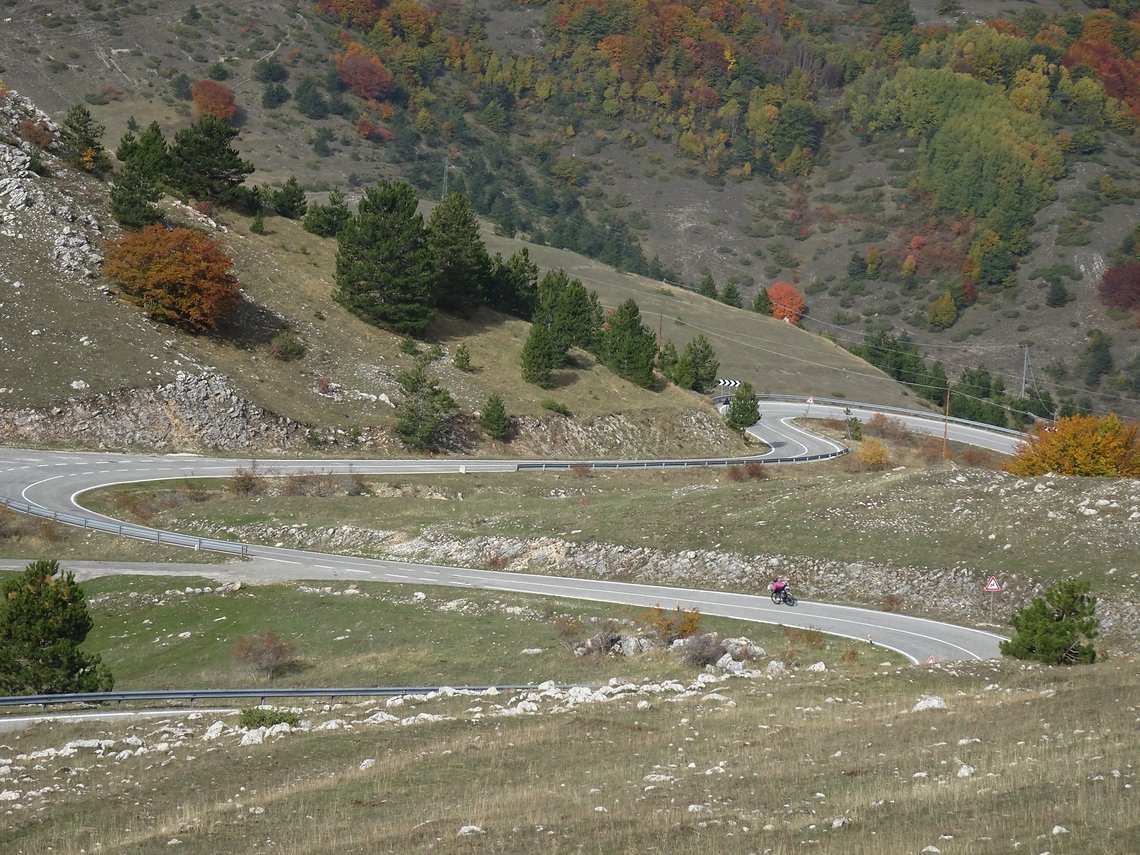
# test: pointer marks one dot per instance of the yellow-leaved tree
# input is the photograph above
(1102, 446)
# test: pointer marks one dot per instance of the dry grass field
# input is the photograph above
(865, 756)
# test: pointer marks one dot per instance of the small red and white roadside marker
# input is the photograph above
(930, 660)
(992, 584)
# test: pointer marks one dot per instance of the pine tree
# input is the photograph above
(569, 312)
(203, 163)
(743, 410)
(133, 198)
(150, 155)
(512, 286)
(707, 288)
(494, 419)
(667, 359)
(80, 142)
(1057, 627)
(762, 304)
(327, 220)
(730, 296)
(702, 361)
(43, 622)
(460, 256)
(1058, 295)
(1096, 361)
(384, 268)
(421, 411)
(289, 202)
(310, 102)
(462, 359)
(540, 356)
(629, 348)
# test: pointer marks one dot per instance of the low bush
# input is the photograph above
(253, 717)
(702, 650)
(669, 626)
(265, 653)
(554, 406)
(247, 482)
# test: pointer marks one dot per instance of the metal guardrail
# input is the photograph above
(882, 408)
(676, 464)
(154, 535)
(193, 695)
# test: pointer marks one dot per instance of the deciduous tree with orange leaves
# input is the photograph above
(179, 276)
(362, 73)
(1080, 445)
(787, 302)
(212, 98)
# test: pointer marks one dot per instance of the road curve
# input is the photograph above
(53, 480)
(776, 429)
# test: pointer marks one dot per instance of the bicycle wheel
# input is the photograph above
(777, 598)
(789, 599)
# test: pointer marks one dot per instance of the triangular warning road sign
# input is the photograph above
(930, 660)
(992, 584)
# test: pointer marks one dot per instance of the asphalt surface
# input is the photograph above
(51, 481)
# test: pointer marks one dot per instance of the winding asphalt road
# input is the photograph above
(47, 482)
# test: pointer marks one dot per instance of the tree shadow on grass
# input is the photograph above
(249, 325)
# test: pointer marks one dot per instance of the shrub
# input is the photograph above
(1080, 445)
(891, 602)
(888, 428)
(247, 482)
(756, 470)
(670, 626)
(36, 132)
(179, 276)
(408, 345)
(265, 653)
(580, 470)
(702, 650)
(214, 99)
(735, 472)
(287, 346)
(554, 406)
(810, 638)
(873, 455)
(254, 717)
(568, 630)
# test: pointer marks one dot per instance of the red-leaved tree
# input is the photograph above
(787, 302)
(179, 276)
(362, 73)
(1120, 286)
(359, 13)
(212, 98)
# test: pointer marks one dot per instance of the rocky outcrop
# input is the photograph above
(194, 412)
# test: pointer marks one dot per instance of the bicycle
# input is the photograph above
(783, 597)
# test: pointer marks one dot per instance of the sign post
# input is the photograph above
(994, 587)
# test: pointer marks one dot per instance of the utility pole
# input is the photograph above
(1024, 369)
(946, 426)
(446, 169)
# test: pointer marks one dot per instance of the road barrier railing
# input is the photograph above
(879, 408)
(87, 699)
(138, 532)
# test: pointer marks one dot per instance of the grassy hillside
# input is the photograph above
(629, 174)
(863, 757)
(83, 341)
